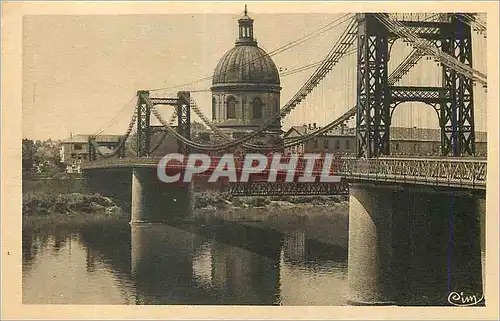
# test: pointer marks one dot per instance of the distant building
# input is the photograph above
(339, 140)
(75, 149)
(403, 141)
(425, 142)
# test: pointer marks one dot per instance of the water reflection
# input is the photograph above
(224, 263)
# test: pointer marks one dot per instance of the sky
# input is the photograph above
(81, 72)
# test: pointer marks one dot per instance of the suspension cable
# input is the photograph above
(338, 51)
(164, 133)
(474, 21)
(335, 23)
(427, 46)
(121, 144)
(114, 118)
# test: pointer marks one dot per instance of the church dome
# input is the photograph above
(246, 63)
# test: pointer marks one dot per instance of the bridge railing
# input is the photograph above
(439, 172)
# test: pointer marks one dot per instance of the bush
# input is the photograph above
(201, 202)
(258, 201)
(205, 199)
(317, 202)
(43, 204)
(238, 202)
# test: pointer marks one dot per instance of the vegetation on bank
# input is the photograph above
(41, 209)
(66, 202)
(42, 204)
(210, 199)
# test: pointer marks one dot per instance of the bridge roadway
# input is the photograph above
(467, 173)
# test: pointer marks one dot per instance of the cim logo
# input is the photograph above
(307, 168)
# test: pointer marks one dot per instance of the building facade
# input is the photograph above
(246, 88)
(425, 142)
(338, 141)
(75, 149)
(403, 141)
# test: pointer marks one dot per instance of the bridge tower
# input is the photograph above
(143, 137)
(377, 99)
(144, 105)
(184, 119)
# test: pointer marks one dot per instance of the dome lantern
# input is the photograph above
(246, 30)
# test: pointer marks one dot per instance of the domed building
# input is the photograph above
(246, 87)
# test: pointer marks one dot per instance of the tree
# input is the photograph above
(197, 128)
(28, 153)
(41, 156)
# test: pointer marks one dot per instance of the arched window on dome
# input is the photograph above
(257, 108)
(231, 107)
(214, 105)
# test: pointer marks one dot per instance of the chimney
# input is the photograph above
(309, 125)
(314, 125)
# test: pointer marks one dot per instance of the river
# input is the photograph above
(224, 263)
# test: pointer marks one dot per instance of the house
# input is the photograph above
(75, 149)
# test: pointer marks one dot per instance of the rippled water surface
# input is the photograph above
(226, 263)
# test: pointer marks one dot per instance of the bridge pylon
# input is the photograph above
(184, 119)
(144, 105)
(377, 99)
(92, 153)
(143, 137)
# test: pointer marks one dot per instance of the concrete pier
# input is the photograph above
(481, 208)
(370, 245)
(413, 245)
(154, 201)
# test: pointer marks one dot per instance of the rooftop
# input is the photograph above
(397, 133)
(84, 138)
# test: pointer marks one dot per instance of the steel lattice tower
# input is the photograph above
(143, 138)
(376, 99)
(144, 105)
(184, 119)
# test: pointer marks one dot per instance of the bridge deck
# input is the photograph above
(467, 173)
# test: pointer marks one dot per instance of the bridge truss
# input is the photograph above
(286, 189)
(376, 98)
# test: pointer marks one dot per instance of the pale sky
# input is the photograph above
(79, 72)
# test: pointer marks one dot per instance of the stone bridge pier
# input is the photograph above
(139, 192)
(412, 245)
(156, 201)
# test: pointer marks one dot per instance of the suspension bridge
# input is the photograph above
(380, 186)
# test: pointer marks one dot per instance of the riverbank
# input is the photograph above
(73, 220)
(323, 218)
(46, 209)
